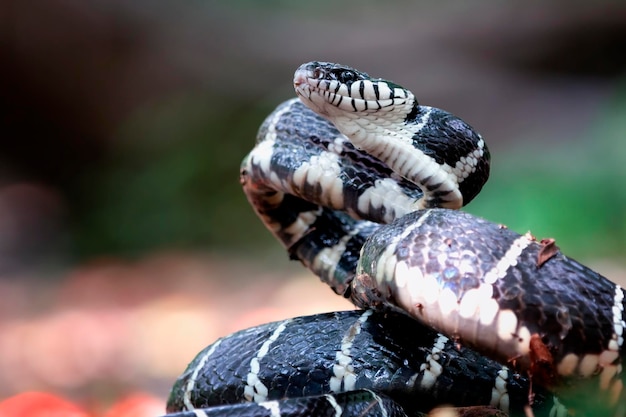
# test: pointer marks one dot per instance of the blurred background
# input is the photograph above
(126, 244)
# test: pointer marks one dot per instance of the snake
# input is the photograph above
(363, 185)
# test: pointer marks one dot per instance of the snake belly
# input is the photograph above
(357, 172)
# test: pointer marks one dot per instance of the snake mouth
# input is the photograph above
(301, 84)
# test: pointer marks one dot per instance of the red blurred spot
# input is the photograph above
(39, 404)
(137, 405)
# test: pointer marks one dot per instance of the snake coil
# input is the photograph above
(361, 184)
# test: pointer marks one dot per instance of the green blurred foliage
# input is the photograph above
(173, 182)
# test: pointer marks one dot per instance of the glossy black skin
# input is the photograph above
(389, 350)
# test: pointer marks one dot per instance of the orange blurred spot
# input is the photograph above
(39, 404)
(137, 405)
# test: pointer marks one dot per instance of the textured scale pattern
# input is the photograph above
(454, 253)
(309, 345)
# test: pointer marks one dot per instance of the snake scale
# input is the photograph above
(362, 185)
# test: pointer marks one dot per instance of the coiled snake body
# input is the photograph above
(359, 182)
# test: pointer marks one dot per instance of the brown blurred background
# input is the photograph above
(126, 244)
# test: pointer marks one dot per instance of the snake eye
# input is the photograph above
(318, 74)
(346, 77)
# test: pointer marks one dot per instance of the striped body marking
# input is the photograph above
(255, 390)
(344, 378)
(191, 382)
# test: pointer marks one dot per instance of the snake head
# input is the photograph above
(336, 90)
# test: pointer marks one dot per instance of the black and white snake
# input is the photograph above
(359, 182)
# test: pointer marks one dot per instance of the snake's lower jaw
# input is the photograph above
(308, 98)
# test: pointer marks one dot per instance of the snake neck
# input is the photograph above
(396, 143)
